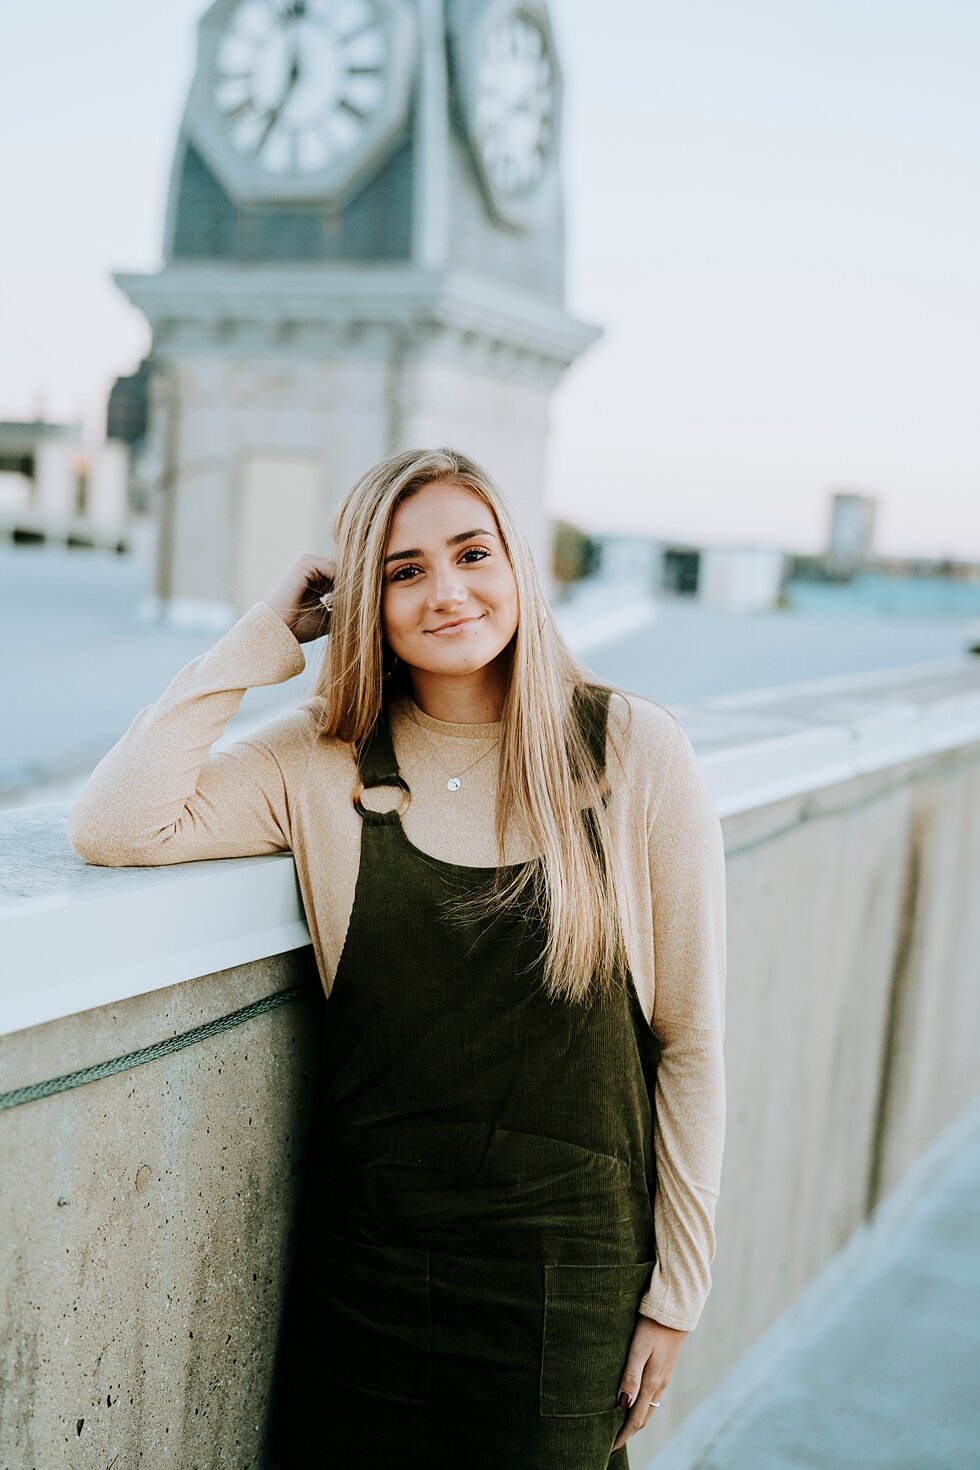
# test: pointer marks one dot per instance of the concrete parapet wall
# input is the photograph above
(146, 1215)
(853, 1032)
(146, 1227)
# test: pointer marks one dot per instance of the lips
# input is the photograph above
(457, 623)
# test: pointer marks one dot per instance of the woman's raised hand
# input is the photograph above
(296, 597)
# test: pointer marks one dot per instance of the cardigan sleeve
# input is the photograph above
(161, 796)
(687, 866)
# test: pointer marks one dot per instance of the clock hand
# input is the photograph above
(276, 112)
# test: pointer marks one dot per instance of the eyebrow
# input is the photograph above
(456, 540)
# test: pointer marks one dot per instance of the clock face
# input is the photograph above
(297, 83)
(514, 117)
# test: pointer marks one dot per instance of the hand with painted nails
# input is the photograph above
(650, 1361)
(302, 596)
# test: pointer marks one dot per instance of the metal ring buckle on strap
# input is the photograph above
(398, 781)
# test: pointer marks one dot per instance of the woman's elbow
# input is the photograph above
(94, 842)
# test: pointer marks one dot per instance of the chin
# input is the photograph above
(456, 660)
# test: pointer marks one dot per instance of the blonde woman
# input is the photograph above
(514, 880)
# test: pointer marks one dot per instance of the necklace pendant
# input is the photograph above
(453, 784)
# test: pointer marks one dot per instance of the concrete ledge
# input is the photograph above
(75, 936)
(767, 745)
(70, 931)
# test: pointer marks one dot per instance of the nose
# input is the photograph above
(446, 591)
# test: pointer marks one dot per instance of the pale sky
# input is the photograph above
(773, 210)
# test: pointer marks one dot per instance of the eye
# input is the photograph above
(480, 552)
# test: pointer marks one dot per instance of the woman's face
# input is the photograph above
(449, 598)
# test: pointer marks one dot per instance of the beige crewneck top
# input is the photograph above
(161, 795)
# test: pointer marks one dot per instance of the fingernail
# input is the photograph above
(626, 1400)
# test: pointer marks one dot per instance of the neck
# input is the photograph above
(476, 698)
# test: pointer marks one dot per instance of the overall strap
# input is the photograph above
(591, 706)
(376, 760)
(377, 766)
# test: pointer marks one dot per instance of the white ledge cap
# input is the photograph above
(770, 744)
(74, 935)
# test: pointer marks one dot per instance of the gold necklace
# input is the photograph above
(454, 782)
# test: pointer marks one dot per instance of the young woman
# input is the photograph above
(514, 880)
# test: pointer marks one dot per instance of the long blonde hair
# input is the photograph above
(546, 778)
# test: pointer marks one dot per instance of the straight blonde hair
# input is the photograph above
(547, 783)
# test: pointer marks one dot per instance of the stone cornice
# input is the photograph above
(220, 306)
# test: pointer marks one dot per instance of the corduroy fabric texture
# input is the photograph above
(476, 1233)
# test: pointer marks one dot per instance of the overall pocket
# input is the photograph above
(589, 1317)
(368, 1314)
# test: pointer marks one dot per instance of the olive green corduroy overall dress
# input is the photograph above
(477, 1229)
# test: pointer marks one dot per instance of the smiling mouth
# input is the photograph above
(450, 627)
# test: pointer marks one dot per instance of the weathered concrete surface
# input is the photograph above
(145, 1220)
(853, 1034)
(877, 1368)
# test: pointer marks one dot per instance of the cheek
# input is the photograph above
(399, 613)
(389, 616)
(507, 598)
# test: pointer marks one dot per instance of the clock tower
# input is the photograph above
(364, 252)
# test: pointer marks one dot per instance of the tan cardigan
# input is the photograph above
(161, 796)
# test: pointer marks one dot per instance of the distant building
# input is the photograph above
(679, 570)
(23, 448)
(741, 578)
(128, 409)
(851, 529)
(629, 561)
(738, 578)
(127, 420)
(53, 488)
